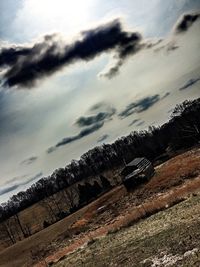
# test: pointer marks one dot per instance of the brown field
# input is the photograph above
(40, 212)
(36, 211)
(173, 182)
(167, 238)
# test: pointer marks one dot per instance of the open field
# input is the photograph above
(168, 238)
(113, 213)
(48, 210)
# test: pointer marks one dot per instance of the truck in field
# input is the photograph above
(136, 172)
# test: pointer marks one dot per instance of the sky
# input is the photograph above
(77, 74)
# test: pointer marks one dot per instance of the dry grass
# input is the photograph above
(175, 171)
(162, 202)
(173, 181)
(170, 236)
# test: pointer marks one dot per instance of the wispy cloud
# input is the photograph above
(98, 106)
(38, 175)
(85, 132)
(29, 161)
(102, 138)
(14, 183)
(140, 123)
(8, 189)
(165, 95)
(168, 47)
(189, 83)
(139, 106)
(134, 122)
(93, 119)
(15, 179)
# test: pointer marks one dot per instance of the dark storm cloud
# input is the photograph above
(145, 44)
(85, 132)
(182, 25)
(93, 119)
(28, 64)
(9, 56)
(10, 186)
(29, 160)
(102, 138)
(186, 21)
(121, 57)
(189, 83)
(139, 106)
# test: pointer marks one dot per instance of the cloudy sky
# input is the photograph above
(76, 74)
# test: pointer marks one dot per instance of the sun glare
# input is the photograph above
(72, 14)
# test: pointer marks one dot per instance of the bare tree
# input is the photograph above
(50, 210)
(20, 225)
(71, 194)
(8, 231)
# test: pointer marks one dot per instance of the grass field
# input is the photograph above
(173, 182)
(168, 238)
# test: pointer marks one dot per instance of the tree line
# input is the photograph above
(181, 131)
